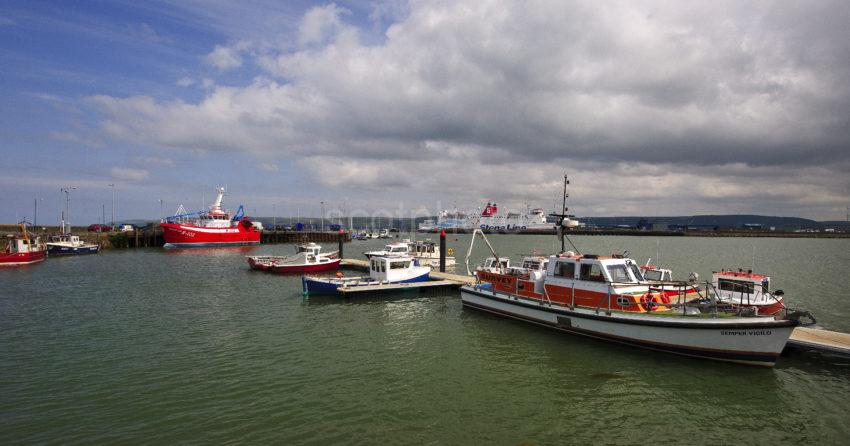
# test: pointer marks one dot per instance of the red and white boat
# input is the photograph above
(607, 298)
(309, 258)
(747, 290)
(23, 250)
(215, 227)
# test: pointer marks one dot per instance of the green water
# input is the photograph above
(190, 346)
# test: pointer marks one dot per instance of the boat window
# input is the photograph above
(636, 272)
(652, 274)
(736, 286)
(565, 269)
(619, 273)
(399, 265)
(591, 272)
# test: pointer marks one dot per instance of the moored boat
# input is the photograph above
(427, 252)
(382, 270)
(308, 258)
(68, 244)
(22, 250)
(215, 227)
(746, 290)
(609, 298)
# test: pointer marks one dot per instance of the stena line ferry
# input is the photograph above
(215, 227)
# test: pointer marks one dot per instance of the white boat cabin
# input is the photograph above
(653, 273)
(595, 273)
(742, 286)
(66, 240)
(309, 253)
(534, 266)
(23, 244)
(491, 265)
(395, 268)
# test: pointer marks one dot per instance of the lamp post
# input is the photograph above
(274, 217)
(67, 191)
(35, 211)
(160, 210)
(113, 205)
(323, 215)
(102, 216)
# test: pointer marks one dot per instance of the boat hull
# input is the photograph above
(755, 341)
(187, 236)
(311, 268)
(317, 285)
(59, 250)
(22, 258)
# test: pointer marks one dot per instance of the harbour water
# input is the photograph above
(165, 346)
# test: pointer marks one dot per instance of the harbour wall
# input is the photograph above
(152, 237)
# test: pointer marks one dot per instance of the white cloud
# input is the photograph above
(146, 32)
(185, 82)
(321, 24)
(269, 167)
(508, 89)
(129, 174)
(154, 161)
(227, 57)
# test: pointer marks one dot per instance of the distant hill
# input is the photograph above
(709, 221)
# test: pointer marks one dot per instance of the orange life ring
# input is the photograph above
(647, 302)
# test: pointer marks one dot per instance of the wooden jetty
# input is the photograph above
(820, 340)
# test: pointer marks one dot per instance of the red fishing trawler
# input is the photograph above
(22, 250)
(215, 227)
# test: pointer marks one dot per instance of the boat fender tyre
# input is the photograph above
(647, 302)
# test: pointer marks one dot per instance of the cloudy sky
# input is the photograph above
(651, 107)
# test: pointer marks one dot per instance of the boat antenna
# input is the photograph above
(562, 218)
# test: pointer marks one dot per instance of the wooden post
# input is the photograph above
(443, 251)
(341, 238)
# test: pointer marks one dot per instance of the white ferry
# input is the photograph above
(491, 219)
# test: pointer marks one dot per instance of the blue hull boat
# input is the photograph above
(328, 285)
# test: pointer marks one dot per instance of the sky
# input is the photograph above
(404, 108)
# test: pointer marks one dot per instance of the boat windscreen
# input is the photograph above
(618, 273)
(636, 272)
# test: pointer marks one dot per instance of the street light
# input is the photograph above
(160, 210)
(67, 191)
(113, 205)
(323, 215)
(35, 212)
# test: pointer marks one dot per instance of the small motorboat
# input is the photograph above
(67, 244)
(308, 258)
(382, 270)
(427, 252)
(22, 250)
(746, 290)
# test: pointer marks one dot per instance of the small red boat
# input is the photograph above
(213, 228)
(747, 290)
(308, 259)
(22, 250)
